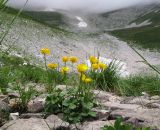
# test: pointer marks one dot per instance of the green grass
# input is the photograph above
(146, 37)
(136, 84)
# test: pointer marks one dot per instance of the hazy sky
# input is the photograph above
(83, 5)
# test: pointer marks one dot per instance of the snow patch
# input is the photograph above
(82, 23)
(121, 66)
(134, 25)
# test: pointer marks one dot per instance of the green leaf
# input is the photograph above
(91, 113)
(72, 106)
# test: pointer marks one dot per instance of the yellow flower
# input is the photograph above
(52, 66)
(102, 66)
(95, 66)
(65, 59)
(45, 51)
(88, 80)
(93, 59)
(64, 70)
(82, 68)
(73, 59)
(83, 77)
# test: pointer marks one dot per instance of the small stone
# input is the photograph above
(14, 116)
(35, 106)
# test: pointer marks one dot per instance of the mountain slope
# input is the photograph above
(144, 30)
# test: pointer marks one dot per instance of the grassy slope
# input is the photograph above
(146, 36)
(36, 17)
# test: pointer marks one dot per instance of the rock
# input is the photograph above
(146, 117)
(101, 114)
(96, 125)
(4, 109)
(40, 88)
(14, 116)
(4, 106)
(32, 115)
(63, 87)
(56, 123)
(26, 124)
(13, 95)
(4, 98)
(35, 106)
(103, 96)
(139, 101)
(115, 106)
(155, 97)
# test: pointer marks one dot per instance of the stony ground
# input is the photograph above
(141, 111)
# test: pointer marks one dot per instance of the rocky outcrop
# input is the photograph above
(140, 111)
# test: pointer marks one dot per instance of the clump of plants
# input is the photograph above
(75, 103)
(105, 76)
(119, 125)
(25, 95)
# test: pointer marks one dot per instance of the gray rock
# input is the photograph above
(38, 87)
(4, 106)
(96, 125)
(26, 124)
(115, 106)
(55, 123)
(35, 106)
(146, 117)
(139, 101)
(63, 87)
(4, 98)
(103, 96)
(155, 97)
(101, 114)
(32, 115)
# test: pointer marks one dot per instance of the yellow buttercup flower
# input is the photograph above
(64, 70)
(45, 51)
(65, 59)
(102, 66)
(81, 68)
(73, 59)
(88, 80)
(93, 59)
(52, 66)
(95, 66)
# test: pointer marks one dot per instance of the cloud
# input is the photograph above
(81, 5)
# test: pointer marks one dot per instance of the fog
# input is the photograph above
(95, 6)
